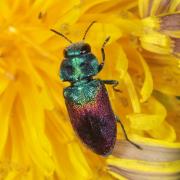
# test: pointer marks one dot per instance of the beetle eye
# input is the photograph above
(85, 49)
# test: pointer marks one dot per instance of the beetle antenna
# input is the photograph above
(88, 30)
(60, 34)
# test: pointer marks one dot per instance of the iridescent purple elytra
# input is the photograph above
(93, 121)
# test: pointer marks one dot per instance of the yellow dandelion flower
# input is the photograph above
(160, 21)
(37, 140)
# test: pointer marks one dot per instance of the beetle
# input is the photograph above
(86, 99)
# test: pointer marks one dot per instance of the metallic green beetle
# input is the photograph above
(87, 99)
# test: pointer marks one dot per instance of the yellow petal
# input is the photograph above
(151, 8)
(141, 169)
(143, 8)
(156, 42)
(156, 114)
(82, 165)
(6, 105)
(166, 79)
(33, 128)
(151, 23)
(148, 82)
(4, 9)
(164, 131)
(174, 6)
(4, 83)
(132, 93)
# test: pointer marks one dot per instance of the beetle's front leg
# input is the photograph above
(114, 83)
(125, 134)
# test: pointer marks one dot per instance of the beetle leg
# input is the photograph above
(125, 134)
(114, 83)
(103, 54)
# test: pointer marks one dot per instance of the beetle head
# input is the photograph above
(79, 62)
